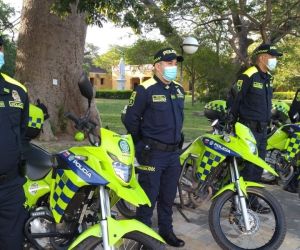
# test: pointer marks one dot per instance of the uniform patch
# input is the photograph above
(2, 104)
(16, 104)
(258, 85)
(159, 98)
(239, 85)
(16, 96)
(132, 98)
(6, 90)
(179, 93)
(146, 168)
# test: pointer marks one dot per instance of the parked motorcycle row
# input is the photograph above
(70, 194)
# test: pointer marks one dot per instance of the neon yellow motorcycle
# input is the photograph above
(70, 194)
(211, 167)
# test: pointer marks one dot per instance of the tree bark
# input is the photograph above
(50, 50)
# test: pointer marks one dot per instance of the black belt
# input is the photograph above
(160, 146)
(4, 178)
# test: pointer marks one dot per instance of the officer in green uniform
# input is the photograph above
(13, 121)
(251, 104)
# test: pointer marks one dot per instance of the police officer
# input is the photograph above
(154, 118)
(252, 104)
(13, 121)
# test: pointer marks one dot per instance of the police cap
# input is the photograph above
(167, 54)
(268, 49)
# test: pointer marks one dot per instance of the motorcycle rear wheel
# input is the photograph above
(132, 240)
(227, 227)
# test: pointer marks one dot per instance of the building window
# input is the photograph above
(92, 80)
(102, 81)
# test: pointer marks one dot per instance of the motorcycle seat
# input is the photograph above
(38, 161)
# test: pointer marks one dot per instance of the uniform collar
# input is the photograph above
(165, 86)
(3, 86)
(264, 75)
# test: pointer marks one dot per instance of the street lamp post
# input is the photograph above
(189, 46)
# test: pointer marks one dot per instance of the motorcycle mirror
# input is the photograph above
(215, 122)
(86, 87)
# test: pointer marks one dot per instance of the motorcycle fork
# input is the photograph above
(105, 212)
(239, 199)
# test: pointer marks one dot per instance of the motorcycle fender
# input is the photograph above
(243, 185)
(117, 229)
(260, 163)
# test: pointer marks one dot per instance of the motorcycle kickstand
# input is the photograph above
(180, 206)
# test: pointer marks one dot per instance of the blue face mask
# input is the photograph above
(170, 73)
(271, 64)
(1, 59)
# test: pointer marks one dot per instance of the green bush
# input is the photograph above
(284, 95)
(113, 94)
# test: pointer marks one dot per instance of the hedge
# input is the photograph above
(284, 95)
(113, 94)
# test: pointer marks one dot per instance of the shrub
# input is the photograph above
(284, 95)
(113, 94)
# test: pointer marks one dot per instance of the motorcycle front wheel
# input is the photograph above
(126, 209)
(267, 231)
(133, 240)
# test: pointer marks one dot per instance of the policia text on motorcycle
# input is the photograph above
(13, 121)
(250, 103)
(154, 118)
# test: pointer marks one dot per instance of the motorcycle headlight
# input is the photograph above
(252, 147)
(123, 171)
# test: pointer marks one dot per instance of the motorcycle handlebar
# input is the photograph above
(72, 117)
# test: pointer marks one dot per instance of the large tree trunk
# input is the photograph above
(50, 51)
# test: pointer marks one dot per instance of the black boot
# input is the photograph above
(255, 206)
(171, 239)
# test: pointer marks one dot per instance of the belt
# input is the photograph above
(4, 178)
(160, 146)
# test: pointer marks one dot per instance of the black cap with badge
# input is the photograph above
(267, 49)
(167, 54)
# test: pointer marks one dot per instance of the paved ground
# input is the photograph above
(198, 237)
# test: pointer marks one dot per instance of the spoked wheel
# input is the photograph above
(126, 209)
(132, 240)
(267, 231)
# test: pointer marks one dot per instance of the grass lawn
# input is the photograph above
(194, 125)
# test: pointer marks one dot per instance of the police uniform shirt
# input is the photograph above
(13, 122)
(155, 111)
(254, 96)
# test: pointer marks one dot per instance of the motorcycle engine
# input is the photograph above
(272, 157)
(41, 221)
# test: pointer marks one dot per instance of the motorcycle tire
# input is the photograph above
(232, 222)
(142, 241)
(126, 209)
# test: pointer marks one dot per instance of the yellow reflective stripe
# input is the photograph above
(148, 83)
(249, 72)
(13, 81)
(177, 83)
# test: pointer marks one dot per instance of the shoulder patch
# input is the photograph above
(13, 81)
(132, 98)
(249, 72)
(239, 85)
(148, 83)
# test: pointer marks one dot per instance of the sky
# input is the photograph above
(104, 37)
